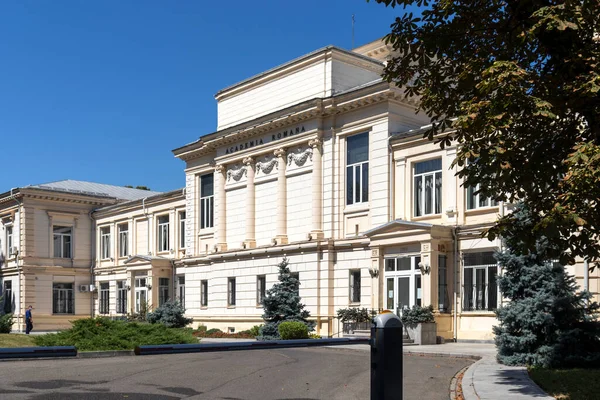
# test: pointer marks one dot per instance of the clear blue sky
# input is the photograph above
(104, 90)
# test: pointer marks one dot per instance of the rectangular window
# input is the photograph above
(163, 233)
(476, 200)
(181, 290)
(62, 241)
(427, 187)
(121, 297)
(163, 291)
(7, 297)
(357, 169)
(105, 243)
(104, 298)
(123, 240)
(9, 241)
(442, 284)
(182, 230)
(479, 284)
(231, 291)
(261, 282)
(62, 298)
(355, 286)
(204, 293)
(206, 201)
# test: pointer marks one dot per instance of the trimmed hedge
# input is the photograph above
(293, 330)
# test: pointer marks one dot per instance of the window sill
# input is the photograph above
(357, 208)
(478, 313)
(231, 307)
(481, 210)
(204, 307)
(426, 217)
(354, 304)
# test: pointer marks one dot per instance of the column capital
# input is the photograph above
(315, 143)
(280, 153)
(220, 168)
(248, 161)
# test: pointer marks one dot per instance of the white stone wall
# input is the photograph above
(299, 200)
(236, 217)
(346, 76)
(266, 211)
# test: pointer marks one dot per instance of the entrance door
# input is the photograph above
(402, 283)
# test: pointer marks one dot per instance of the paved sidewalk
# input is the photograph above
(486, 379)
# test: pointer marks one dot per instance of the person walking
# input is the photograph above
(28, 320)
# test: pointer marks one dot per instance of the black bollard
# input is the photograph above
(386, 357)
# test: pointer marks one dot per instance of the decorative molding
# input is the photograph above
(267, 166)
(300, 158)
(248, 161)
(220, 168)
(315, 143)
(280, 153)
(236, 174)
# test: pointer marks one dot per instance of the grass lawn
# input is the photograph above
(568, 384)
(7, 340)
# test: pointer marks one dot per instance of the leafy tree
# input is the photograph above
(282, 303)
(517, 85)
(546, 323)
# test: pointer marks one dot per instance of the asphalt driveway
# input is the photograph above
(324, 373)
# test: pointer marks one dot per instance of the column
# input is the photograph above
(317, 190)
(250, 241)
(281, 228)
(221, 239)
(402, 196)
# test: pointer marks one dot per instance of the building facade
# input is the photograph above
(321, 162)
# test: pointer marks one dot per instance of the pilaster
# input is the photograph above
(221, 231)
(317, 189)
(281, 229)
(250, 241)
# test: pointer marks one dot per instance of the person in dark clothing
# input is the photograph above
(28, 320)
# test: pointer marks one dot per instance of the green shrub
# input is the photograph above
(293, 330)
(314, 336)
(95, 334)
(201, 328)
(213, 330)
(353, 314)
(255, 330)
(170, 314)
(417, 315)
(6, 322)
(141, 315)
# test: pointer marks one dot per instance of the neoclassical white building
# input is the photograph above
(320, 161)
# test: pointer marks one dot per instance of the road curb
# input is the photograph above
(468, 383)
(105, 354)
(449, 355)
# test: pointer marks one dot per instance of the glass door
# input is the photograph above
(402, 283)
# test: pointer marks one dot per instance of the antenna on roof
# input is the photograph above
(352, 32)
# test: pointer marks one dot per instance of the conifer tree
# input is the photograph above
(282, 303)
(546, 321)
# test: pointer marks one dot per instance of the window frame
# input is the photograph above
(9, 233)
(104, 298)
(207, 203)
(354, 295)
(182, 225)
(121, 298)
(204, 293)
(470, 302)
(123, 239)
(443, 300)
(163, 233)
(422, 176)
(7, 296)
(68, 307)
(477, 199)
(105, 243)
(231, 292)
(181, 290)
(163, 290)
(62, 237)
(261, 290)
(357, 192)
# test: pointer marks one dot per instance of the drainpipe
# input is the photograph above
(391, 213)
(92, 261)
(456, 283)
(586, 278)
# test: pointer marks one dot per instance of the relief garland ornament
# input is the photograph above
(236, 174)
(267, 166)
(300, 158)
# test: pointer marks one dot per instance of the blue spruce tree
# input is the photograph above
(546, 321)
(282, 303)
